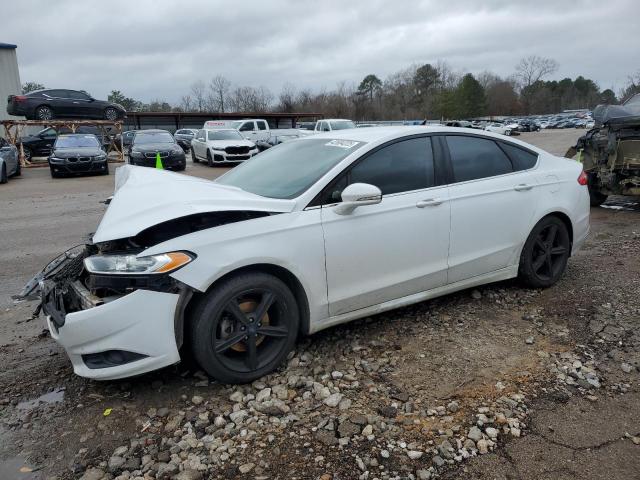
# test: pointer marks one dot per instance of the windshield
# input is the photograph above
(224, 135)
(342, 125)
(152, 137)
(287, 170)
(77, 141)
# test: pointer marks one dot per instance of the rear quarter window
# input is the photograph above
(522, 159)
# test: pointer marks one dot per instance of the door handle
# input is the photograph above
(430, 202)
(523, 187)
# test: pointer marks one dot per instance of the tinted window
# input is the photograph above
(77, 95)
(400, 167)
(521, 158)
(342, 125)
(262, 125)
(152, 137)
(247, 127)
(75, 141)
(473, 158)
(224, 135)
(54, 93)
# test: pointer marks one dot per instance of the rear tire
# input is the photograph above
(3, 174)
(110, 113)
(545, 253)
(44, 112)
(244, 328)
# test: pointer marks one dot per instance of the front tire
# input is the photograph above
(3, 174)
(193, 156)
(209, 159)
(244, 328)
(545, 253)
(54, 174)
(44, 112)
(27, 153)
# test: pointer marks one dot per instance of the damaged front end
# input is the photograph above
(117, 310)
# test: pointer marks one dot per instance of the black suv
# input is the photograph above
(49, 104)
(77, 153)
(148, 144)
(40, 144)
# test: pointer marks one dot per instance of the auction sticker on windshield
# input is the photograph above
(342, 143)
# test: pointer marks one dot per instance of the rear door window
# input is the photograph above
(474, 158)
(262, 125)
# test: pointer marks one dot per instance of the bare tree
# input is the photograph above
(186, 103)
(533, 68)
(219, 88)
(198, 94)
(287, 98)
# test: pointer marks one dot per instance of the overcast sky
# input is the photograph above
(156, 50)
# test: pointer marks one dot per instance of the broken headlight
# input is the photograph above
(134, 265)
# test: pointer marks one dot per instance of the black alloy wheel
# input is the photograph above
(545, 254)
(44, 113)
(27, 153)
(244, 328)
(110, 113)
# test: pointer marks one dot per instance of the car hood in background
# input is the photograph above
(222, 144)
(145, 197)
(77, 152)
(155, 147)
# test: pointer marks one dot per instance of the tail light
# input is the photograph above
(19, 98)
(582, 178)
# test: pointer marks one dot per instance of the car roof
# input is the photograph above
(220, 130)
(384, 134)
(76, 135)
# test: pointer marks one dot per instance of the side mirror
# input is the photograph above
(357, 195)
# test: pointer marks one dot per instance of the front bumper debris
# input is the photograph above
(127, 328)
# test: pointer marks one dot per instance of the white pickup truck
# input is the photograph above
(253, 129)
(331, 124)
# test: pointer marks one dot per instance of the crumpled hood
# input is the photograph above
(145, 197)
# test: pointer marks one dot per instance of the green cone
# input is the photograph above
(159, 162)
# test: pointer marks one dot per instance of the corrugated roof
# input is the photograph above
(8, 46)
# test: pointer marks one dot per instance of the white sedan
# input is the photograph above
(500, 128)
(311, 233)
(221, 146)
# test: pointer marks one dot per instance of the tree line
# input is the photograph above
(433, 91)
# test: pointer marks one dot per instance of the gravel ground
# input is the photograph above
(498, 382)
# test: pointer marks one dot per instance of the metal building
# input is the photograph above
(9, 77)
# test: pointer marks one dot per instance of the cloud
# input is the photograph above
(156, 50)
